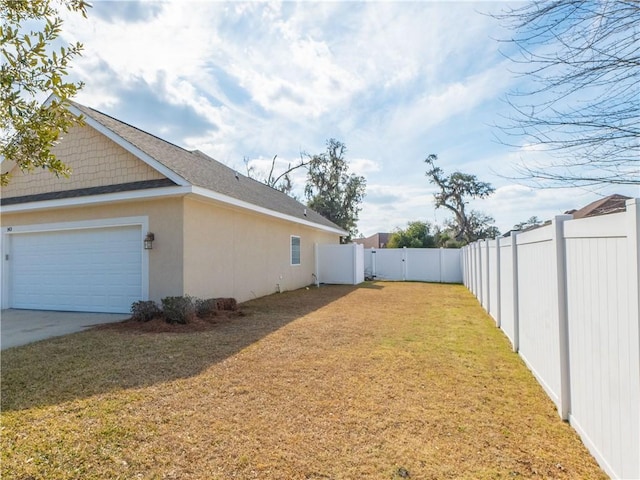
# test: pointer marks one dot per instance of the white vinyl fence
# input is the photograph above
(414, 264)
(340, 264)
(567, 296)
(350, 264)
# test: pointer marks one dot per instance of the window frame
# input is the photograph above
(291, 250)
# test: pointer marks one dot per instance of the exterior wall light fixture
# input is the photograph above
(148, 241)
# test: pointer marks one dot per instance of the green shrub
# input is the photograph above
(145, 310)
(178, 309)
(206, 307)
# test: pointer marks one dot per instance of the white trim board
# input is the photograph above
(97, 199)
(161, 192)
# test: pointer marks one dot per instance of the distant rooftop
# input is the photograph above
(612, 204)
(377, 240)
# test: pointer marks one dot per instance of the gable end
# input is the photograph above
(95, 161)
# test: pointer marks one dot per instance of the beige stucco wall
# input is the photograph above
(201, 247)
(165, 221)
(94, 159)
(205, 249)
(234, 253)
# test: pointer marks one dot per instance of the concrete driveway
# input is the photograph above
(19, 327)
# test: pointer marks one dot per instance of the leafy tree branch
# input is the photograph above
(30, 68)
(331, 190)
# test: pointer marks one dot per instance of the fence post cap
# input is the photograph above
(562, 218)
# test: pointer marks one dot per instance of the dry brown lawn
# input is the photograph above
(382, 381)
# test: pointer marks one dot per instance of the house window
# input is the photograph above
(295, 250)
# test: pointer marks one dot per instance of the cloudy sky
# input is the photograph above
(394, 81)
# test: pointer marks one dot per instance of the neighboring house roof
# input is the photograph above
(184, 167)
(377, 240)
(612, 204)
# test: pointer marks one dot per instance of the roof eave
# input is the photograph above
(163, 192)
(211, 195)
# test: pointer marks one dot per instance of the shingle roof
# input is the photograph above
(612, 204)
(203, 171)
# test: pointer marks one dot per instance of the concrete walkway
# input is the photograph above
(20, 327)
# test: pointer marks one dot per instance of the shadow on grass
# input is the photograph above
(103, 360)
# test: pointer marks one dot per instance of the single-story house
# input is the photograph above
(141, 218)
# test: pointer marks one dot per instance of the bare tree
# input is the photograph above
(582, 104)
(282, 181)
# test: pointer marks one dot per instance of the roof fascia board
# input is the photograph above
(50, 98)
(129, 147)
(157, 193)
(209, 194)
(98, 199)
(6, 166)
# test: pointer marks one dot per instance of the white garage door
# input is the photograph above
(87, 270)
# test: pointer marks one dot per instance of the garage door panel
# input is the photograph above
(98, 269)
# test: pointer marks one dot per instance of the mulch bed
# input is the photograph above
(159, 325)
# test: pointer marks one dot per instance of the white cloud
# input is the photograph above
(388, 206)
(394, 81)
(363, 166)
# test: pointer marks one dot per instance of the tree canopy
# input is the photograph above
(527, 224)
(581, 107)
(480, 227)
(331, 190)
(32, 67)
(416, 235)
(455, 191)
